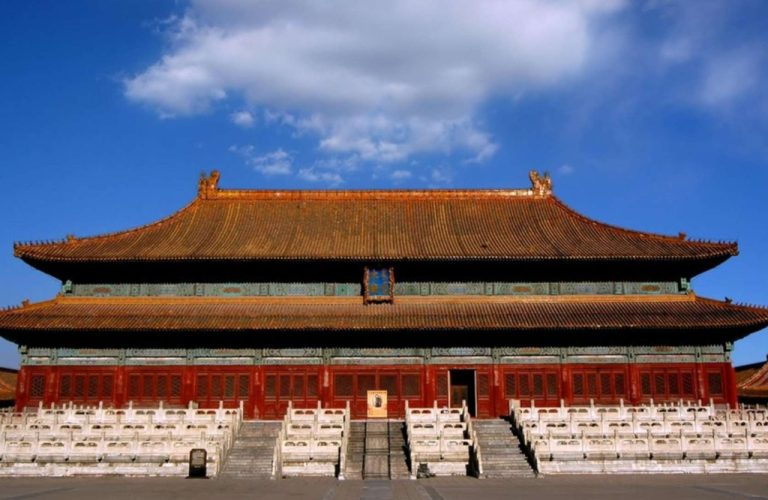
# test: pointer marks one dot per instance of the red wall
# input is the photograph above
(266, 390)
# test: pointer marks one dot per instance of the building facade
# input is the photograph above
(265, 297)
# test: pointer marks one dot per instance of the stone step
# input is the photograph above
(500, 449)
(252, 452)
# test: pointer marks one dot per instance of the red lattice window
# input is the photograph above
(411, 385)
(592, 384)
(229, 386)
(202, 387)
(298, 387)
(715, 384)
(365, 383)
(525, 387)
(285, 386)
(108, 386)
(509, 385)
(645, 384)
(442, 385)
(162, 386)
(343, 385)
(605, 384)
(65, 386)
(216, 391)
(389, 384)
(483, 385)
(551, 385)
(619, 384)
(674, 384)
(244, 385)
(270, 386)
(79, 386)
(37, 386)
(312, 381)
(687, 384)
(176, 386)
(578, 384)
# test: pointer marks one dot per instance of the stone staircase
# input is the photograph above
(500, 449)
(376, 450)
(355, 451)
(398, 456)
(251, 456)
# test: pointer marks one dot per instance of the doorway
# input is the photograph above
(462, 384)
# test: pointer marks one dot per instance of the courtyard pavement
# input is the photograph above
(645, 487)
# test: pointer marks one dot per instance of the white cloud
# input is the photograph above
(400, 175)
(381, 81)
(566, 169)
(728, 77)
(277, 162)
(315, 175)
(242, 118)
(719, 64)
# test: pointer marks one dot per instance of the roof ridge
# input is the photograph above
(358, 194)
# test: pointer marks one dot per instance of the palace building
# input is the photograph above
(265, 297)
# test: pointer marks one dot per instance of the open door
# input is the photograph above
(463, 389)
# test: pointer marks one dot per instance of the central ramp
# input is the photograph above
(376, 450)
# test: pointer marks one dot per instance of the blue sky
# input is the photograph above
(651, 115)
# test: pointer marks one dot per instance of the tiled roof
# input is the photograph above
(83, 314)
(7, 384)
(756, 385)
(522, 224)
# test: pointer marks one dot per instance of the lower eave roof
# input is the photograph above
(94, 314)
(756, 385)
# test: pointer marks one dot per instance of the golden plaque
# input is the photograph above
(377, 404)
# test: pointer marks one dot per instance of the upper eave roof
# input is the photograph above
(515, 225)
(449, 313)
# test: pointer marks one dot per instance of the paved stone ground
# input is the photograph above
(701, 487)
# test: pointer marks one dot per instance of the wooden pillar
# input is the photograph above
(566, 391)
(188, 384)
(729, 385)
(326, 396)
(51, 385)
(635, 392)
(701, 387)
(121, 383)
(256, 402)
(21, 388)
(430, 385)
(498, 405)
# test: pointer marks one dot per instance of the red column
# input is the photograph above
(430, 385)
(256, 402)
(633, 373)
(51, 385)
(21, 388)
(566, 391)
(701, 388)
(325, 386)
(499, 405)
(731, 391)
(121, 382)
(188, 380)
